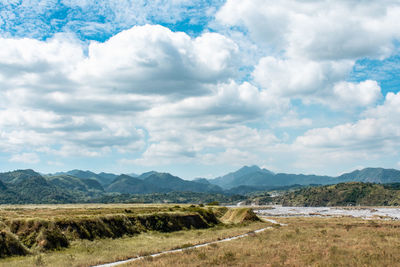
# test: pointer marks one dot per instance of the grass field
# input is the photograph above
(303, 242)
(76, 235)
(86, 253)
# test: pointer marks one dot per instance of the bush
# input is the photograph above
(10, 245)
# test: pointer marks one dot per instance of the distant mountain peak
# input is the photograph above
(248, 169)
(253, 168)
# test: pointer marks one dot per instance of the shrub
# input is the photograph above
(10, 245)
(213, 203)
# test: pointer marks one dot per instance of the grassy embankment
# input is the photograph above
(303, 242)
(83, 235)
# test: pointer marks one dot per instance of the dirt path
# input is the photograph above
(192, 247)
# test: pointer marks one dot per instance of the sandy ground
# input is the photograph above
(360, 212)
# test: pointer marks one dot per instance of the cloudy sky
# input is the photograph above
(199, 88)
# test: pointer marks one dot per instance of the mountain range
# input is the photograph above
(28, 186)
(253, 176)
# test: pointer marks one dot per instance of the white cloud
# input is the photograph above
(144, 83)
(164, 97)
(154, 60)
(374, 137)
(30, 158)
(365, 93)
(318, 30)
(315, 81)
(310, 47)
(187, 144)
(294, 77)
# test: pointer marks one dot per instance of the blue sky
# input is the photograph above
(199, 88)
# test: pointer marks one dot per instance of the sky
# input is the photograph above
(199, 88)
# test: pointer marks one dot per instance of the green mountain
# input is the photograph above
(103, 178)
(107, 177)
(73, 183)
(15, 177)
(255, 177)
(7, 196)
(145, 175)
(174, 183)
(247, 175)
(2, 186)
(28, 186)
(154, 182)
(129, 185)
(372, 175)
(343, 194)
(201, 180)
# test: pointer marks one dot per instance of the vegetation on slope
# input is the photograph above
(343, 194)
(129, 185)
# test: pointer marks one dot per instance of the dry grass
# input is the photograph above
(304, 242)
(77, 210)
(87, 253)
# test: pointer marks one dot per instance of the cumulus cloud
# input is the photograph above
(235, 145)
(30, 158)
(295, 78)
(375, 136)
(365, 93)
(230, 96)
(320, 30)
(310, 47)
(154, 60)
(143, 83)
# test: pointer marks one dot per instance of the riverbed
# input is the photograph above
(360, 212)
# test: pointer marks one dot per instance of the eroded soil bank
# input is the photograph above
(21, 236)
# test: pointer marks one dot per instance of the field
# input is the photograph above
(303, 241)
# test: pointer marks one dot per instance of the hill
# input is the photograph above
(343, 194)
